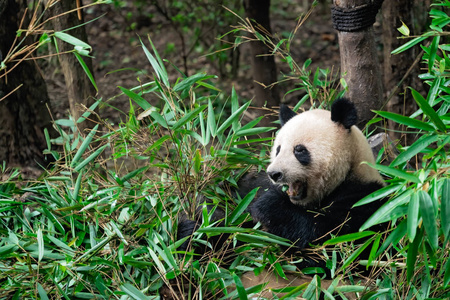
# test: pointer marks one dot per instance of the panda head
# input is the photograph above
(315, 151)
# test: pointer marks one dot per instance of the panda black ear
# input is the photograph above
(344, 112)
(286, 114)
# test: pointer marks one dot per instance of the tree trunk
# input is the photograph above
(24, 113)
(397, 73)
(263, 63)
(359, 63)
(80, 90)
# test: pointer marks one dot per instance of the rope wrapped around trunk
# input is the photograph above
(356, 18)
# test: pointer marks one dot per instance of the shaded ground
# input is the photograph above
(117, 47)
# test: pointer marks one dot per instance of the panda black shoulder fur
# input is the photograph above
(317, 157)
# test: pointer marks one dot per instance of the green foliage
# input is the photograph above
(100, 224)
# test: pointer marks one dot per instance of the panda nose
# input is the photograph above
(275, 176)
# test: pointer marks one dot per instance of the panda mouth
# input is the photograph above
(297, 191)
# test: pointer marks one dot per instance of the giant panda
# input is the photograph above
(316, 175)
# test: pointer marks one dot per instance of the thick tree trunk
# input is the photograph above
(263, 63)
(79, 88)
(359, 63)
(24, 113)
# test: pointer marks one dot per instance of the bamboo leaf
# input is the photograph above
(84, 146)
(72, 40)
(212, 126)
(242, 206)
(423, 142)
(235, 116)
(188, 117)
(136, 98)
(42, 293)
(133, 292)
(348, 237)
(433, 49)
(413, 216)
(445, 209)
(395, 173)
(412, 255)
(409, 44)
(90, 158)
(240, 287)
(40, 240)
(86, 70)
(428, 110)
(413, 123)
(429, 218)
(378, 194)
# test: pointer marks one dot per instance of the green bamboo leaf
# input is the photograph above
(54, 220)
(433, 49)
(242, 206)
(428, 110)
(429, 218)
(409, 44)
(413, 123)
(72, 40)
(157, 261)
(234, 107)
(378, 194)
(445, 209)
(188, 117)
(395, 173)
(86, 70)
(88, 112)
(133, 292)
(411, 257)
(348, 237)
(40, 240)
(77, 186)
(447, 273)
(212, 126)
(423, 142)
(235, 116)
(386, 209)
(249, 238)
(164, 75)
(118, 232)
(240, 287)
(90, 158)
(156, 64)
(136, 98)
(396, 235)
(42, 293)
(413, 216)
(188, 82)
(356, 253)
(84, 146)
(133, 174)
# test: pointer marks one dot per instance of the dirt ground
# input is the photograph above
(117, 47)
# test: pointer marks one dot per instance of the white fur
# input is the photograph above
(333, 149)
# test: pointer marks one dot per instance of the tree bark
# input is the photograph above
(80, 90)
(24, 113)
(397, 73)
(263, 64)
(359, 63)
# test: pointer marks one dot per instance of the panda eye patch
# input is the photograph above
(302, 154)
(278, 150)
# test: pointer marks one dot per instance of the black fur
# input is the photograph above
(302, 155)
(286, 114)
(280, 216)
(344, 112)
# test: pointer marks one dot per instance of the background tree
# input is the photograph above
(359, 58)
(80, 91)
(24, 101)
(263, 64)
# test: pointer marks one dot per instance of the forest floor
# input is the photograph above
(119, 60)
